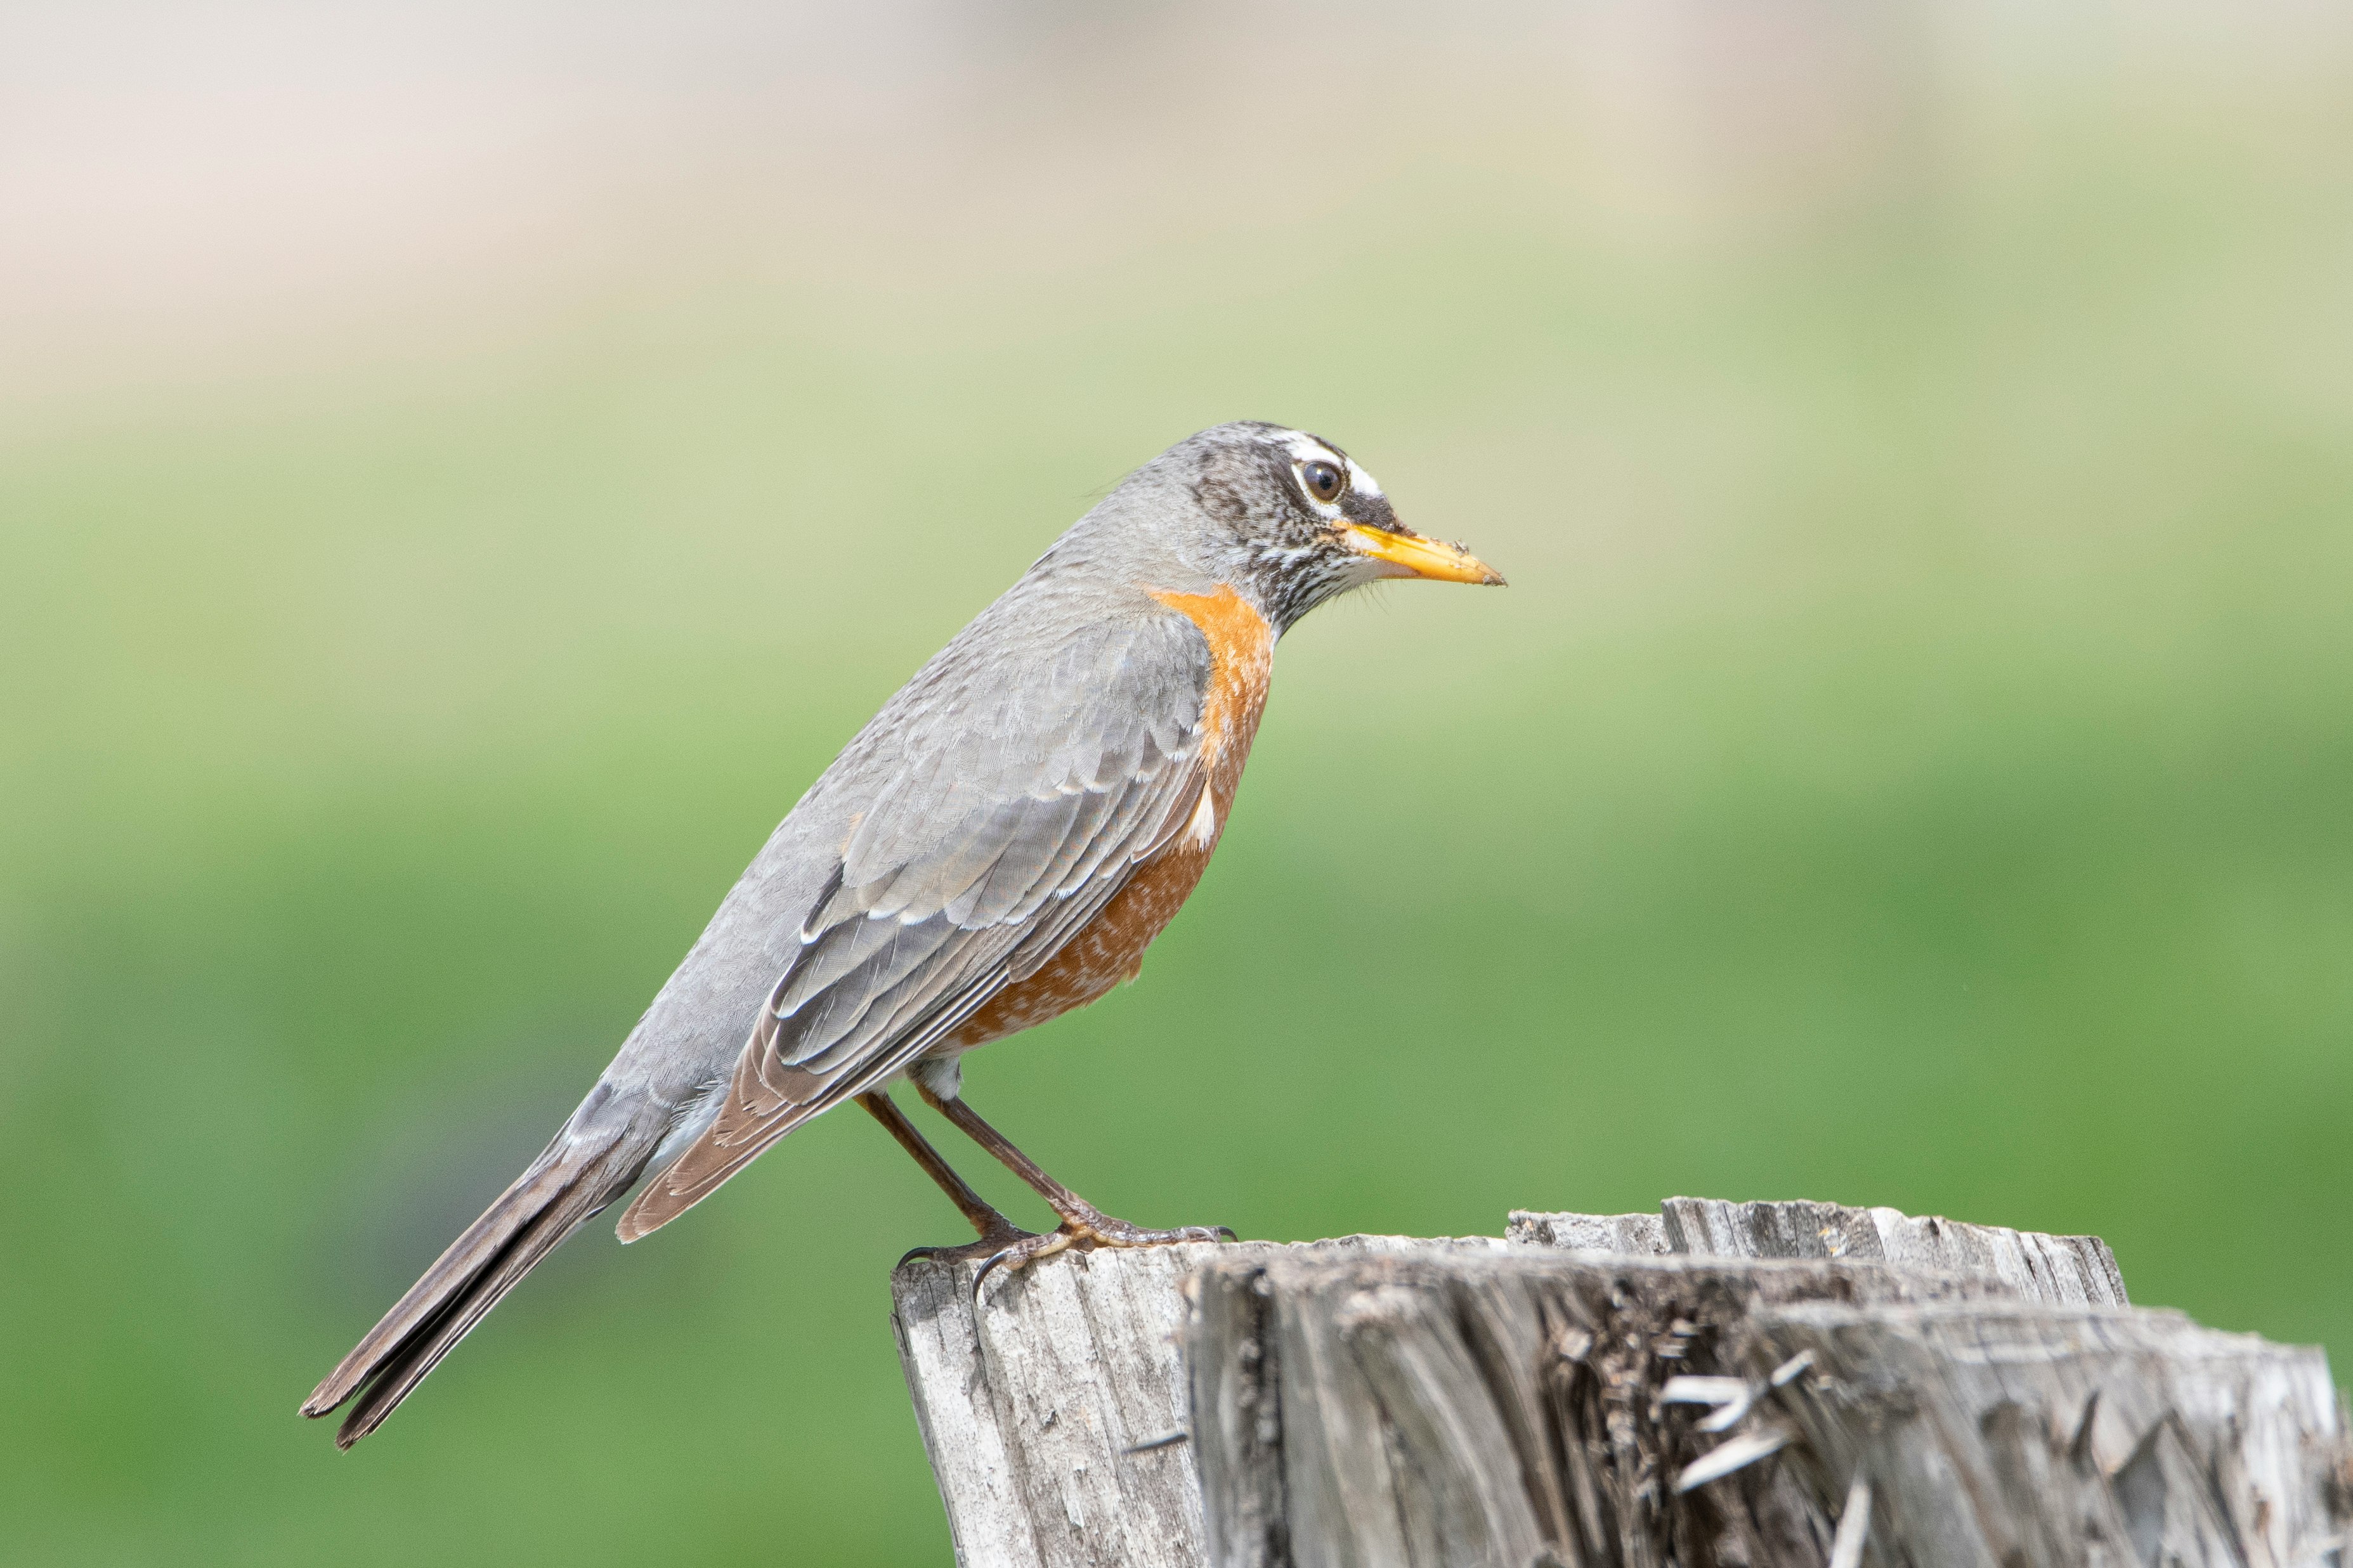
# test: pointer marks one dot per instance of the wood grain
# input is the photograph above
(1047, 1407)
(1764, 1385)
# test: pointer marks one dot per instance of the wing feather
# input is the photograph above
(1008, 825)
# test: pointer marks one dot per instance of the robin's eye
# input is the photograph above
(1324, 481)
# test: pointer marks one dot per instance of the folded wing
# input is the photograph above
(1016, 806)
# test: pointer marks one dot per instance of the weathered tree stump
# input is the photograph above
(1762, 1385)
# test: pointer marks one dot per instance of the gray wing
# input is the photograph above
(1019, 790)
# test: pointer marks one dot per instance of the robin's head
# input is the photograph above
(1288, 519)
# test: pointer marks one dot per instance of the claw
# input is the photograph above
(1088, 1234)
(978, 1280)
(995, 1244)
(1025, 1250)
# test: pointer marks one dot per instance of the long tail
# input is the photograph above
(577, 1174)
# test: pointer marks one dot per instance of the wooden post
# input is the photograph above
(1056, 1410)
(1761, 1384)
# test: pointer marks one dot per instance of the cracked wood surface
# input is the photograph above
(1564, 1410)
(2064, 1270)
(1047, 1408)
(1950, 1393)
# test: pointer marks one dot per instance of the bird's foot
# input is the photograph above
(999, 1237)
(1087, 1230)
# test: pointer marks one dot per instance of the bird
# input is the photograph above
(996, 846)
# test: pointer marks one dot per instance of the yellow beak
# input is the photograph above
(1408, 554)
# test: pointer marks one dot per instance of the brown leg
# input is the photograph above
(993, 1226)
(1083, 1224)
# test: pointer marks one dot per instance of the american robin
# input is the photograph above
(997, 847)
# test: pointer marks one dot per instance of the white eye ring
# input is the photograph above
(1323, 480)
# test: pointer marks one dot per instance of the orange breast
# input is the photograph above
(1110, 948)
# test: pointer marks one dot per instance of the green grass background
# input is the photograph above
(1913, 765)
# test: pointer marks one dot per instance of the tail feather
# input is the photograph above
(547, 1202)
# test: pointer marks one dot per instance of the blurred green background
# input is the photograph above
(464, 471)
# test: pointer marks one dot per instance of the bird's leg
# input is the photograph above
(1083, 1224)
(996, 1231)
